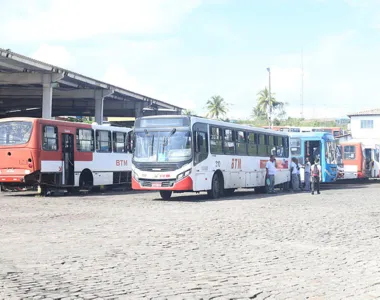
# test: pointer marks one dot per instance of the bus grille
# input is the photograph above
(158, 167)
(149, 183)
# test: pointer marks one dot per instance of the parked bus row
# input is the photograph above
(170, 154)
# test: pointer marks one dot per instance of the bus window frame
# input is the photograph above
(92, 141)
(47, 138)
(220, 133)
(109, 141)
(253, 142)
(114, 141)
(344, 152)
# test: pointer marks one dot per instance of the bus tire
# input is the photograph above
(216, 187)
(86, 180)
(166, 195)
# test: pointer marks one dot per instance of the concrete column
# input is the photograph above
(99, 101)
(48, 82)
(139, 109)
(99, 104)
(47, 100)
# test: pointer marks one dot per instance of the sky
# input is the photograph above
(183, 52)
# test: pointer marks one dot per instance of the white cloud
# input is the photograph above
(56, 20)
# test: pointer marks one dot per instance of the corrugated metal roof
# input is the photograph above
(371, 112)
(11, 62)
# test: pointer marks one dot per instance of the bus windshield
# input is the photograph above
(162, 146)
(331, 155)
(15, 132)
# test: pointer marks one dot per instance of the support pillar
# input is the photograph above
(138, 110)
(99, 104)
(48, 82)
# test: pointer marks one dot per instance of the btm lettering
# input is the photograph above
(121, 163)
(236, 163)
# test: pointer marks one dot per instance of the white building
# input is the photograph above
(365, 125)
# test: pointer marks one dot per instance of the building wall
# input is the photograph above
(365, 133)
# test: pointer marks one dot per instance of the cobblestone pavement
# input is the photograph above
(132, 246)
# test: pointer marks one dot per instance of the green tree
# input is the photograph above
(188, 112)
(216, 107)
(262, 107)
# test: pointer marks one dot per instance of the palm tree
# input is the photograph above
(216, 107)
(188, 112)
(263, 103)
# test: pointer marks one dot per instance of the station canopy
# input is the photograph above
(31, 88)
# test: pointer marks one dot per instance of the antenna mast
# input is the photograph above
(301, 83)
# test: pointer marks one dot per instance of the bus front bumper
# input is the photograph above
(185, 184)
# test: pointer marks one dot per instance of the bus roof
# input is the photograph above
(221, 123)
(316, 135)
(57, 122)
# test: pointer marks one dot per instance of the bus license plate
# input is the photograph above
(156, 184)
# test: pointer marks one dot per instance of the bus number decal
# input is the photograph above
(217, 164)
(236, 163)
(121, 163)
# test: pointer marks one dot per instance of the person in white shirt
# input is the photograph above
(271, 172)
(307, 174)
(295, 180)
(316, 176)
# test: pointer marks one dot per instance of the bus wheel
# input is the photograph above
(166, 195)
(215, 191)
(229, 192)
(86, 180)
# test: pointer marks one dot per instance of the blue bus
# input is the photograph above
(314, 145)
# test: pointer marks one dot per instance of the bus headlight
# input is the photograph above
(134, 174)
(183, 174)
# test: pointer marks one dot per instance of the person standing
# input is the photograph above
(270, 174)
(299, 174)
(307, 174)
(316, 175)
(293, 169)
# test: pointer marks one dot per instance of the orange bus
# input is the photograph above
(51, 153)
(360, 160)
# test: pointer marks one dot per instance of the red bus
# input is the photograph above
(360, 160)
(59, 154)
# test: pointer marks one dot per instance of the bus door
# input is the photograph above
(313, 151)
(368, 162)
(376, 161)
(68, 158)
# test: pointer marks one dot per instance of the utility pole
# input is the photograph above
(270, 102)
(302, 84)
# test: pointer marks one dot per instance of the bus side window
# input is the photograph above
(241, 143)
(271, 145)
(119, 142)
(229, 143)
(279, 146)
(216, 140)
(252, 143)
(85, 140)
(285, 143)
(201, 151)
(262, 148)
(103, 141)
(129, 142)
(50, 138)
